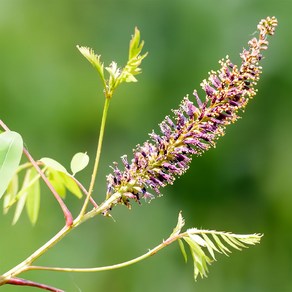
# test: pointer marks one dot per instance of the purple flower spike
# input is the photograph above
(194, 128)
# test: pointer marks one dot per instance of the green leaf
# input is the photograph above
(135, 59)
(232, 243)
(135, 46)
(19, 208)
(210, 246)
(10, 193)
(250, 239)
(57, 182)
(201, 260)
(26, 185)
(94, 59)
(179, 226)
(11, 146)
(182, 249)
(71, 185)
(221, 246)
(49, 162)
(33, 198)
(62, 181)
(198, 241)
(60, 178)
(79, 162)
(21, 197)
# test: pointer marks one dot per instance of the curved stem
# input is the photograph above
(24, 282)
(25, 265)
(97, 157)
(150, 253)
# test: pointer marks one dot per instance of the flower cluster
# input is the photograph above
(194, 128)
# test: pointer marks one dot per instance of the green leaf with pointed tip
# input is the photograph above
(10, 193)
(199, 241)
(231, 243)
(71, 185)
(60, 178)
(135, 59)
(22, 195)
(201, 260)
(221, 246)
(33, 198)
(57, 183)
(49, 162)
(182, 249)
(62, 181)
(94, 59)
(19, 208)
(26, 185)
(237, 242)
(210, 246)
(79, 162)
(135, 46)
(11, 146)
(179, 226)
(248, 238)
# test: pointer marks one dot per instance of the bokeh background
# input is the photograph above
(52, 96)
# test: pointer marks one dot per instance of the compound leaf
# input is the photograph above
(209, 240)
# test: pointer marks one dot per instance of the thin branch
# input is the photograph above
(83, 189)
(25, 264)
(24, 282)
(97, 158)
(250, 239)
(150, 253)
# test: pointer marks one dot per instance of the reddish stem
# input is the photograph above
(67, 214)
(95, 205)
(23, 282)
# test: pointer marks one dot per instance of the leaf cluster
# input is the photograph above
(28, 193)
(203, 245)
(117, 75)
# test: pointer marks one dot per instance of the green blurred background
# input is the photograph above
(52, 96)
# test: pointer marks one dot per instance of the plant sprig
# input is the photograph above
(155, 164)
(198, 240)
(117, 75)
